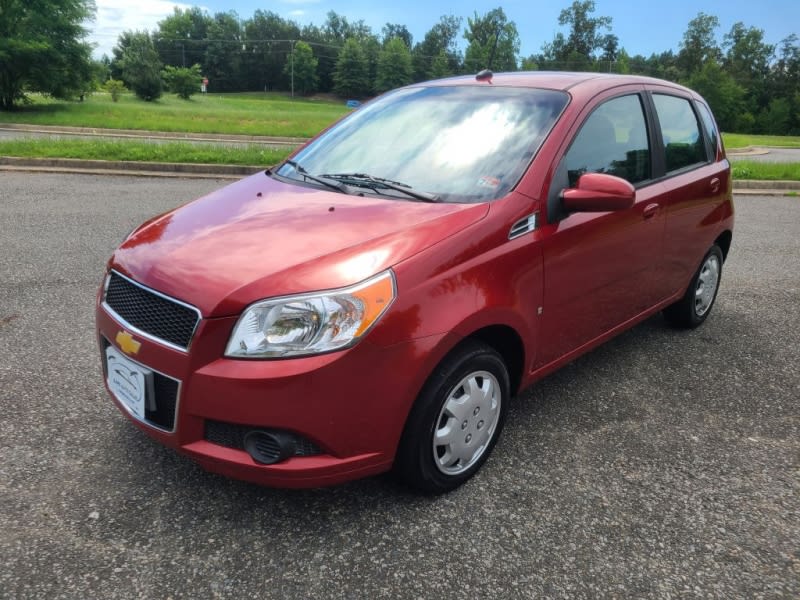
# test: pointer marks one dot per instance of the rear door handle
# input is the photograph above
(715, 185)
(650, 210)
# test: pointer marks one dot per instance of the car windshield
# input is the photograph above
(455, 143)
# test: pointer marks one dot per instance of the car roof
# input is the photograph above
(556, 80)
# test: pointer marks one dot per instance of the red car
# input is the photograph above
(376, 301)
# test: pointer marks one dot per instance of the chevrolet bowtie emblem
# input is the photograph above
(127, 344)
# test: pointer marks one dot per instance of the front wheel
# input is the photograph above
(455, 421)
(691, 310)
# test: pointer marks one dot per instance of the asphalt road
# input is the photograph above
(775, 155)
(663, 465)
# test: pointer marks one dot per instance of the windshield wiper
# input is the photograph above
(336, 185)
(381, 182)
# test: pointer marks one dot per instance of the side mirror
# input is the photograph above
(598, 192)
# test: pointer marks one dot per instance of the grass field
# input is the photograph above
(247, 114)
(173, 152)
(742, 140)
(750, 169)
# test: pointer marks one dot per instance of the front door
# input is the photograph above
(600, 268)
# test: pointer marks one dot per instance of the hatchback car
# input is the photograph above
(375, 301)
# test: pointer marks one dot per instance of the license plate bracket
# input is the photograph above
(129, 382)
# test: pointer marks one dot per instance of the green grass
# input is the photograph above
(247, 114)
(174, 152)
(749, 169)
(741, 140)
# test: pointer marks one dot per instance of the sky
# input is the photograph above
(643, 27)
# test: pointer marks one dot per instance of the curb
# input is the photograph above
(749, 187)
(747, 151)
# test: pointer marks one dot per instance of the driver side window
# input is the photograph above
(613, 140)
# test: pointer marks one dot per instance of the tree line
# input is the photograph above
(752, 86)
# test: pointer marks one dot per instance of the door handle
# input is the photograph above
(650, 210)
(715, 185)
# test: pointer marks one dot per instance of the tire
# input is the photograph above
(696, 304)
(455, 421)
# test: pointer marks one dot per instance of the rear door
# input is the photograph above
(696, 180)
(601, 268)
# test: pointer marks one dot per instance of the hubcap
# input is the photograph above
(706, 285)
(466, 423)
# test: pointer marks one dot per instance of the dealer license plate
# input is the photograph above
(128, 381)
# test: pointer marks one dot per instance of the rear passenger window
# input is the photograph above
(711, 128)
(613, 140)
(683, 144)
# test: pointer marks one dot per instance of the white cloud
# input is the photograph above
(300, 1)
(115, 16)
(296, 13)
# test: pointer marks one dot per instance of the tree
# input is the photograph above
(182, 37)
(699, 44)
(302, 66)
(183, 81)
(441, 39)
(269, 40)
(493, 42)
(584, 44)
(395, 30)
(723, 94)
(351, 76)
(42, 49)
(584, 34)
(224, 49)
(100, 72)
(329, 39)
(440, 66)
(776, 118)
(747, 59)
(784, 81)
(141, 68)
(394, 66)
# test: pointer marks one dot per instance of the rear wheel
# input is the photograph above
(691, 310)
(455, 421)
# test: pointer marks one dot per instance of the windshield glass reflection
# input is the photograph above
(464, 144)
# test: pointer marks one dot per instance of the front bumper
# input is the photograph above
(351, 404)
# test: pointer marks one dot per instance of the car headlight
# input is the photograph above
(311, 323)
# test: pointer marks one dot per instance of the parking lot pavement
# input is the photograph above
(664, 464)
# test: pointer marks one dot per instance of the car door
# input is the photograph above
(696, 184)
(600, 268)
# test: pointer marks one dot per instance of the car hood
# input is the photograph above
(261, 238)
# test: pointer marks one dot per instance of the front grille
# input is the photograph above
(165, 396)
(231, 435)
(150, 312)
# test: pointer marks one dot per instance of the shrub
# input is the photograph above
(114, 87)
(183, 81)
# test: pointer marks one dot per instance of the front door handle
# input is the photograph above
(715, 185)
(650, 210)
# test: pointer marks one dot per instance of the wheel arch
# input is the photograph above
(724, 240)
(507, 342)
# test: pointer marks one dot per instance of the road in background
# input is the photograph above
(776, 155)
(664, 464)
